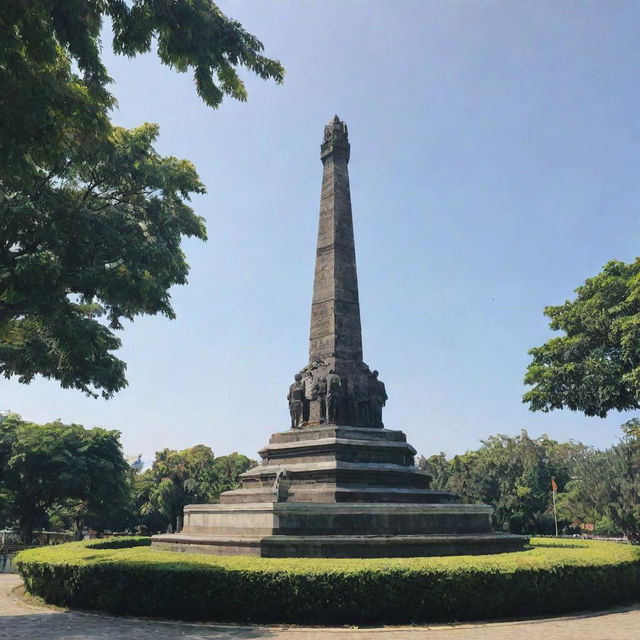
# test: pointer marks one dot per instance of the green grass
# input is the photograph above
(552, 576)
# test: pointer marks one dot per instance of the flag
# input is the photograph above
(554, 486)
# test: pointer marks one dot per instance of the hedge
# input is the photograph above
(121, 542)
(552, 576)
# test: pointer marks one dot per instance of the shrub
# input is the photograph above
(123, 542)
(553, 576)
(607, 527)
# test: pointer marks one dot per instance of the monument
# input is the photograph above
(337, 483)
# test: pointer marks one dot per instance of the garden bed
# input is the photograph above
(126, 576)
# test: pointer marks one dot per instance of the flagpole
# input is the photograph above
(554, 488)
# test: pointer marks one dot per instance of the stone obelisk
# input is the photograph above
(335, 310)
(337, 483)
(336, 387)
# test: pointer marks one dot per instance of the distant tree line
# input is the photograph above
(514, 475)
(58, 476)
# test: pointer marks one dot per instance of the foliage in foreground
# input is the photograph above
(95, 242)
(553, 576)
(91, 216)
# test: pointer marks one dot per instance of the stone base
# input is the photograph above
(343, 546)
(338, 491)
(321, 530)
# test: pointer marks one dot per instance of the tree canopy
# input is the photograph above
(42, 99)
(511, 473)
(598, 491)
(605, 487)
(45, 465)
(69, 477)
(595, 366)
(102, 241)
(91, 216)
(193, 475)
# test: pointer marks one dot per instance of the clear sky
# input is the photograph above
(495, 163)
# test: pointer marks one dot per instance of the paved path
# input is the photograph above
(21, 621)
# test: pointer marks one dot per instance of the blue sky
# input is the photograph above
(494, 166)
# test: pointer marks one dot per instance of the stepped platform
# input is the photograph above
(338, 491)
(337, 464)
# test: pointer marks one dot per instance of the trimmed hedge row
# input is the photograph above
(553, 576)
(122, 542)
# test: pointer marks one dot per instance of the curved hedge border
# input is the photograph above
(553, 576)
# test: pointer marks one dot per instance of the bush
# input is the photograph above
(123, 542)
(606, 527)
(553, 576)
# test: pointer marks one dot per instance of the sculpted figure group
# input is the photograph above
(337, 399)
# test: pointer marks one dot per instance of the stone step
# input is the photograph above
(388, 546)
(328, 465)
(317, 519)
(265, 530)
(328, 493)
(340, 473)
(343, 449)
(337, 431)
(370, 546)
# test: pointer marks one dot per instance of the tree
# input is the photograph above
(146, 517)
(223, 475)
(8, 425)
(42, 100)
(56, 464)
(511, 473)
(91, 217)
(583, 499)
(595, 366)
(193, 475)
(178, 480)
(100, 239)
(105, 499)
(606, 485)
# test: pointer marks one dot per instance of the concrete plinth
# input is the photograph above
(338, 530)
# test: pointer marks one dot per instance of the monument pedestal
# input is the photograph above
(348, 530)
(338, 491)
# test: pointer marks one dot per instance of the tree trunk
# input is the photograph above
(26, 529)
(77, 529)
